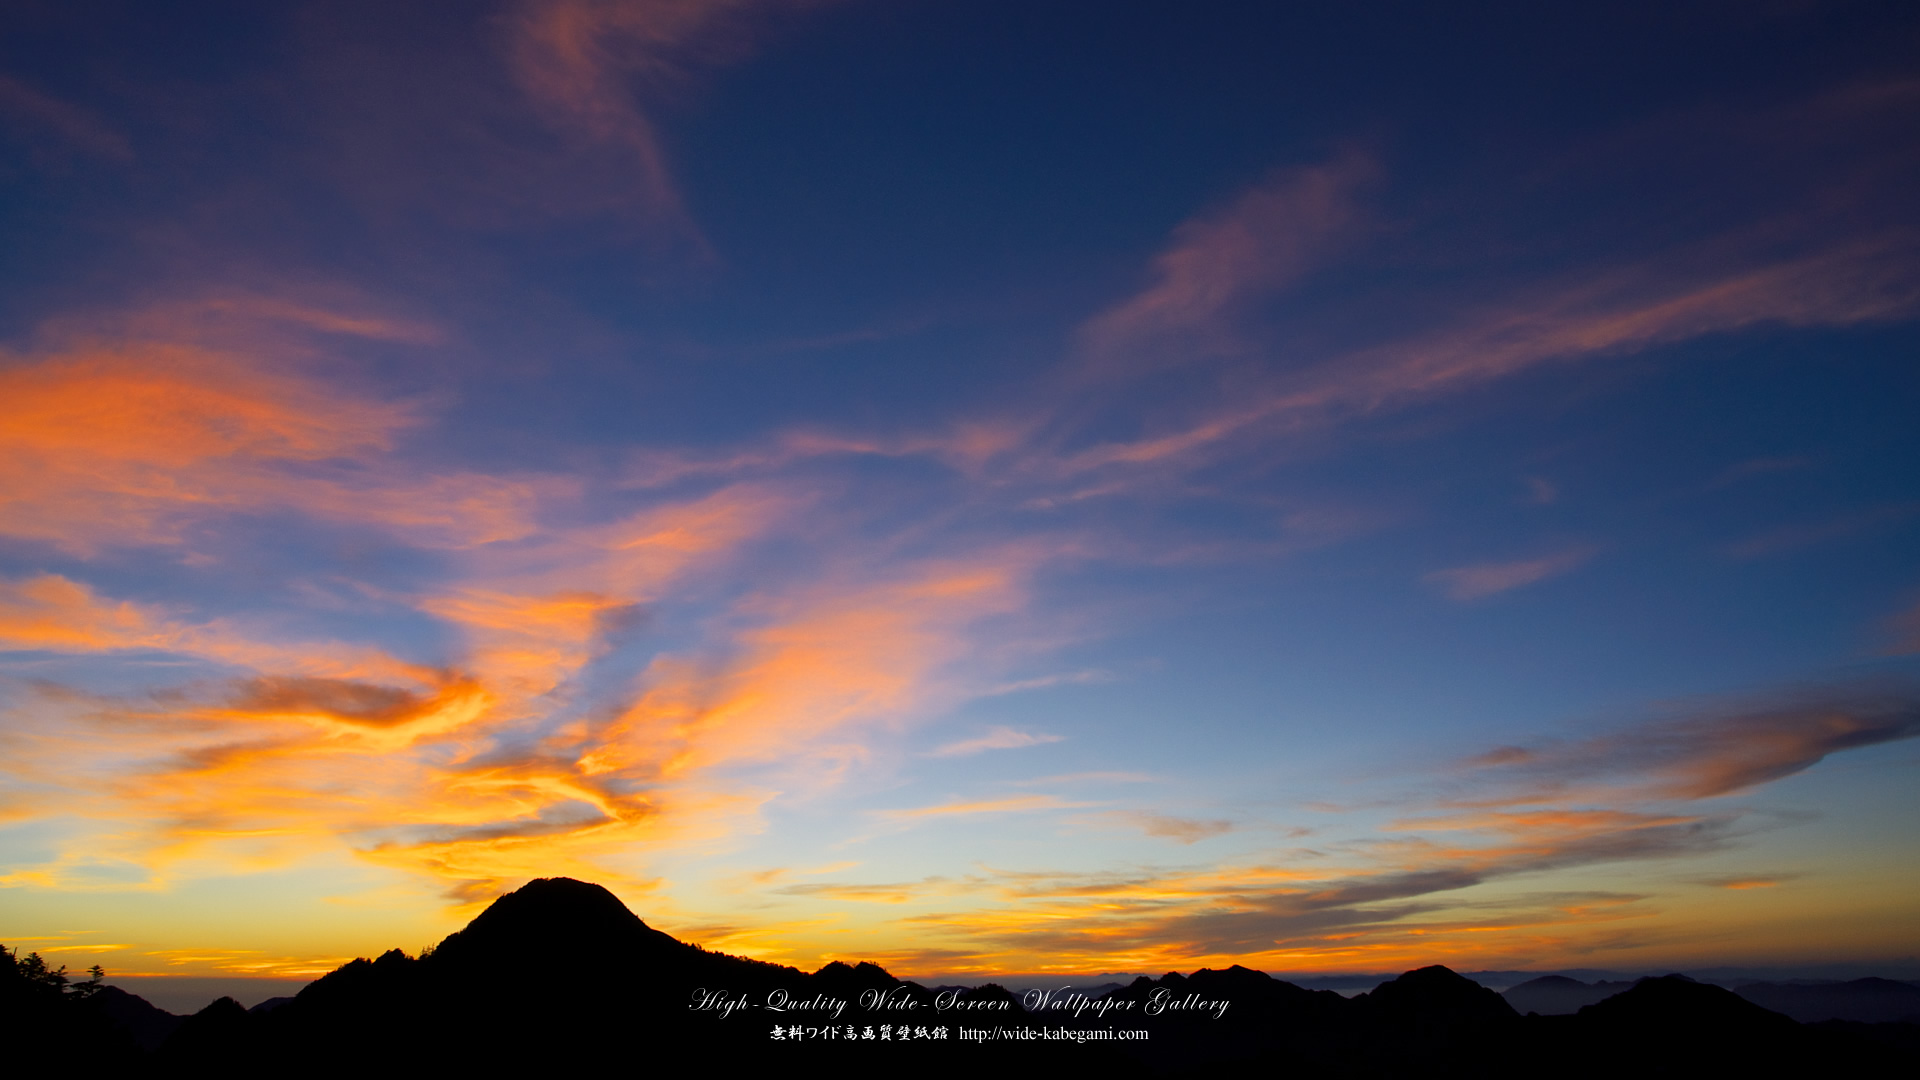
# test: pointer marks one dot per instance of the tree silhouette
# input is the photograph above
(88, 986)
(33, 972)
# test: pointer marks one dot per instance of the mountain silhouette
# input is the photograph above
(1873, 1001)
(557, 917)
(44, 1027)
(1558, 995)
(1674, 1026)
(560, 974)
(146, 1024)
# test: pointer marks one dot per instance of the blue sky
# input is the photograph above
(979, 487)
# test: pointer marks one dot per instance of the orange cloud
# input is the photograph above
(1383, 899)
(801, 690)
(1769, 881)
(132, 433)
(120, 444)
(896, 893)
(56, 614)
(534, 616)
(527, 645)
(358, 703)
(468, 775)
(51, 612)
(1014, 804)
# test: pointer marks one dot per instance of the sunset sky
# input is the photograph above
(975, 486)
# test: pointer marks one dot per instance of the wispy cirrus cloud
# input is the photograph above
(788, 639)
(594, 64)
(53, 613)
(1487, 579)
(1221, 271)
(1740, 882)
(131, 431)
(999, 738)
(493, 762)
(477, 780)
(1012, 804)
(1905, 630)
(69, 124)
(1614, 313)
(1811, 534)
(881, 893)
(1369, 906)
(1712, 753)
(1217, 264)
(1441, 877)
(802, 684)
(1178, 829)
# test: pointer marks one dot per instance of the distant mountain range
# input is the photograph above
(1871, 1001)
(561, 974)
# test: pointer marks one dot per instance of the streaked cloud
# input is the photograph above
(898, 893)
(1746, 881)
(1761, 466)
(1905, 630)
(1378, 904)
(1178, 829)
(804, 684)
(1435, 881)
(56, 614)
(663, 583)
(1268, 237)
(1615, 313)
(594, 65)
(1812, 534)
(348, 702)
(1013, 804)
(1064, 779)
(1713, 753)
(1486, 579)
(999, 738)
(131, 436)
(69, 124)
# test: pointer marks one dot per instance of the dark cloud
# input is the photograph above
(337, 699)
(1718, 753)
(553, 820)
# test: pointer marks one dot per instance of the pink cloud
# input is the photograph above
(1631, 310)
(1906, 630)
(1486, 579)
(1270, 236)
(1000, 738)
(591, 62)
(71, 124)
